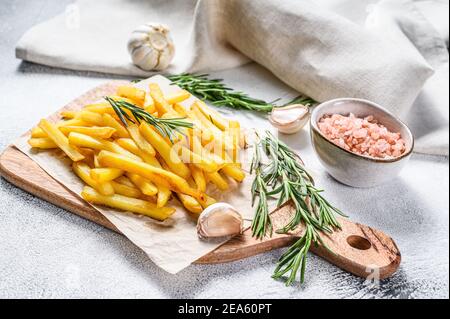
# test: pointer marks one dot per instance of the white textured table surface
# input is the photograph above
(48, 252)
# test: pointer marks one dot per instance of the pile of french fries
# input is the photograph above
(133, 166)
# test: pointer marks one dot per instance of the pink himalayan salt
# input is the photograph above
(362, 136)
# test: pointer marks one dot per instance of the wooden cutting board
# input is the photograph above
(357, 248)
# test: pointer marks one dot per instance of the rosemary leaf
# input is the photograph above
(286, 179)
(215, 91)
(166, 127)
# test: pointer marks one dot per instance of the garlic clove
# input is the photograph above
(219, 220)
(151, 47)
(289, 119)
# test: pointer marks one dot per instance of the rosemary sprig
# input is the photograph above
(128, 112)
(215, 91)
(286, 179)
(261, 224)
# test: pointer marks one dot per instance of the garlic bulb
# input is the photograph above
(219, 220)
(151, 47)
(289, 119)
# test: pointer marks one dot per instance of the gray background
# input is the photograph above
(46, 252)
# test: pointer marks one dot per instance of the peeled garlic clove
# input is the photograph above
(219, 220)
(289, 119)
(151, 47)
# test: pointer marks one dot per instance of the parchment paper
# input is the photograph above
(173, 244)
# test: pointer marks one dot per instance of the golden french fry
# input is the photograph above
(67, 114)
(199, 178)
(177, 97)
(161, 105)
(96, 164)
(103, 174)
(218, 180)
(154, 174)
(100, 108)
(125, 203)
(144, 185)
(82, 140)
(95, 131)
(164, 193)
(234, 172)
(166, 151)
(42, 142)
(214, 116)
(82, 170)
(61, 140)
(38, 132)
(140, 141)
(189, 157)
(91, 117)
(132, 93)
(126, 190)
(121, 131)
(199, 129)
(208, 201)
(149, 104)
(125, 181)
(234, 132)
(190, 203)
(180, 110)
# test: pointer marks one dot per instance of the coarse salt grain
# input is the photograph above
(362, 136)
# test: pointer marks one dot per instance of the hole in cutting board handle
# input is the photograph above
(358, 242)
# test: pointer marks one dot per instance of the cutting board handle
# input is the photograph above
(356, 248)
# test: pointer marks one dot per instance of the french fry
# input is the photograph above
(140, 141)
(96, 164)
(218, 180)
(199, 178)
(121, 131)
(208, 122)
(161, 105)
(68, 114)
(155, 174)
(82, 170)
(125, 181)
(166, 151)
(91, 117)
(42, 142)
(234, 132)
(189, 157)
(38, 132)
(205, 134)
(234, 172)
(132, 93)
(126, 190)
(61, 140)
(208, 201)
(180, 110)
(102, 174)
(177, 97)
(100, 108)
(82, 140)
(149, 104)
(164, 193)
(214, 116)
(129, 204)
(143, 184)
(95, 131)
(190, 203)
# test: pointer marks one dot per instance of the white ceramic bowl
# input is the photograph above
(350, 168)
